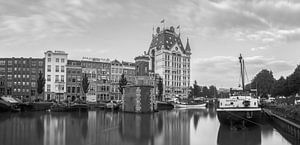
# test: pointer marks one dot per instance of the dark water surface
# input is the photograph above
(176, 127)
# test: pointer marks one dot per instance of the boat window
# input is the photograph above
(254, 103)
(231, 103)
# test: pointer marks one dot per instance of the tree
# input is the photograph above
(160, 88)
(40, 83)
(191, 92)
(212, 91)
(205, 91)
(264, 81)
(122, 83)
(293, 81)
(85, 84)
(280, 87)
(196, 90)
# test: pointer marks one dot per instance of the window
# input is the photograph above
(62, 77)
(68, 89)
(2, 62)
(9, 84)
(48, 78)
(9, 69)
(9, 77)
(9, 62)
(56, 68)
(32, 84)
(32, 92)
(62, 60)
(73, 89)
(56, 78)
(49, 59)
(57, 59)
(40, 63)
(78, 89)
(49, 68)
(48, 87)
(33, 63)
(62, 68)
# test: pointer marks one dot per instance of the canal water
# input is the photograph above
(175, 127)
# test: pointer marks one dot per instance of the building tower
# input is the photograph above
(171, 60)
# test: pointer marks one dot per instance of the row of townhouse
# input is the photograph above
(63, 77)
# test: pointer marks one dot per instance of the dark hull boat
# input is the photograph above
(244, 116)
(240, 108)
(36, 106)
(70, 108)
(164, 105)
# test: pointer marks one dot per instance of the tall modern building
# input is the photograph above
(171, 60)
(55, 75)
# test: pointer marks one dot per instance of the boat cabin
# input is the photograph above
(238, 101)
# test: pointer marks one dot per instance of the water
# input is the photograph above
(176, 127)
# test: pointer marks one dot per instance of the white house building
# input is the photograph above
(55, 75)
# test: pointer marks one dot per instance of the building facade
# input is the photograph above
(18, 77)
(129, 71)
(116, 72)
(117, 69)
(171, 60)
(98, 73)
(55, 75)
(74, 78)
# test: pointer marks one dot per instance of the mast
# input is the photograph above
(242, 64)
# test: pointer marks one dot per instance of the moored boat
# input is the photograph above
(240, 107)
(8, 103)
(186, 105)
(164, 105)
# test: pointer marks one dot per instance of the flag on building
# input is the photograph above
(178, 27)
(162, 21)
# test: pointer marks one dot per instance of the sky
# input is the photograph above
(265, 32)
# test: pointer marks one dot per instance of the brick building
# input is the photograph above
(18, 77)
(74, 78)
(98, 72)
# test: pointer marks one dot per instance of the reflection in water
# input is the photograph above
(139, 129)
(22, 129)
(175, 127)
(250, 136)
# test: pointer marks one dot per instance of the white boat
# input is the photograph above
(190, 105)
(240, 107)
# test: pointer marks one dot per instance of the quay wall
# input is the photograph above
(291, 130)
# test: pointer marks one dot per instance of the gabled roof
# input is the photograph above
(167, 38)
(116, 62)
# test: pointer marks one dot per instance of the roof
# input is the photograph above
(187, 47)
(167, 38)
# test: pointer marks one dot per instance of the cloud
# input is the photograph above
(265, 21)
(224, 71)
(259, 48)
(26, 21)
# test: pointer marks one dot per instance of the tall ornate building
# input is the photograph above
(171, 60)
